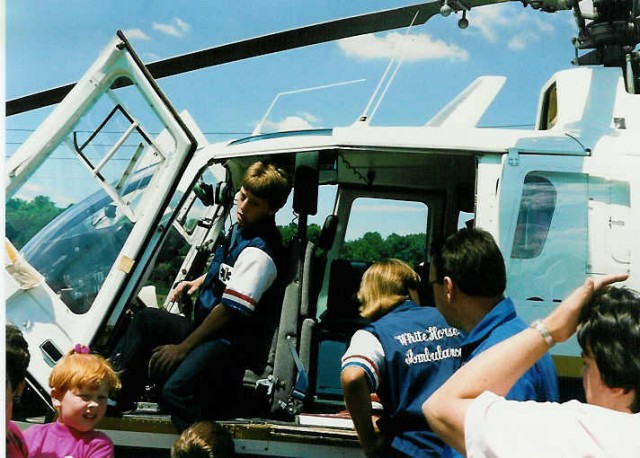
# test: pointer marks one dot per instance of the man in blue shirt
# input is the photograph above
(469, 278)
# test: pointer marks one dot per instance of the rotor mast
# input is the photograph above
(612, 35)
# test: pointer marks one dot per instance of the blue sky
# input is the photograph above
(52, 43)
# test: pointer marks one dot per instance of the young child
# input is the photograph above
(80, 385)
(203, 440)
(403, 355)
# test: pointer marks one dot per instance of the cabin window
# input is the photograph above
(287, 219)
(534, 218)
(194, 214)
(549, 115)
(609, 226)
(386, 228)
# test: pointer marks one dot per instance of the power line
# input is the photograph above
(18, 129)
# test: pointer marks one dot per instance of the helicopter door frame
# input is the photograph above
(543, 201)
(435, 202)
(47, 323)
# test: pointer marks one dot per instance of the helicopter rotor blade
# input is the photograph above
(280, 41)
(296, 38)
(253, 47)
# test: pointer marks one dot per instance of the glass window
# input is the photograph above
(196, 213)
(386, 228)
(76, 211)
(76, 251)
(534, 219)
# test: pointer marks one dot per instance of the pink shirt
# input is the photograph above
(56, 440)
(16, 446)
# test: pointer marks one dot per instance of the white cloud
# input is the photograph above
(60, 196)
(182, 25)
(521, 40)
(541, 24)
(178, 28)
(136, 34)
(415, 47)
(289, 123)
(31, 189)
(150, 56)
(518, 42)
(487, 20)
(518, 29)
(309, 117)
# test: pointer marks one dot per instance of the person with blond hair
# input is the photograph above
(80, 383)
(205, 439)
(403, 355)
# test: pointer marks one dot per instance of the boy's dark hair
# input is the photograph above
(268, 181)
(609, 332)
(472, 259)
(18, 356)
(205, 439)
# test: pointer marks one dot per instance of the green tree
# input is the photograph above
(25, 218)
(170, 258)
(372, 247)
(289, 231)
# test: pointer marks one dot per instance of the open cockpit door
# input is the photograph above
(101, 175)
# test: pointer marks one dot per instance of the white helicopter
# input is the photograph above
(558, 198)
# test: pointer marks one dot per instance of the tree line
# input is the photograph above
(25, 218)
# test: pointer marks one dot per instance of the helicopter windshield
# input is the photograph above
(76, 250)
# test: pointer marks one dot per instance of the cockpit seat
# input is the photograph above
(336, 326)
(342, 315)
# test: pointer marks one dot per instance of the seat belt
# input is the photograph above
(299, 390)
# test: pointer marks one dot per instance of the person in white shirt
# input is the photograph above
(469, 411)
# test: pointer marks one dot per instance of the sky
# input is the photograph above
(52, 43)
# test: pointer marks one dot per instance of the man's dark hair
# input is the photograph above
(17, 355)
(609, 332)
(472, 259)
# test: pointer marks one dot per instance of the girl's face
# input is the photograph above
(82, 407)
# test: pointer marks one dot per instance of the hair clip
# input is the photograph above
(82, 349)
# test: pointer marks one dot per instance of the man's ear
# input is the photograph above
(449, 288)
(56, 398)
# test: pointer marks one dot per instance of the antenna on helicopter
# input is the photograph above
(365, 116)
(258, 128)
